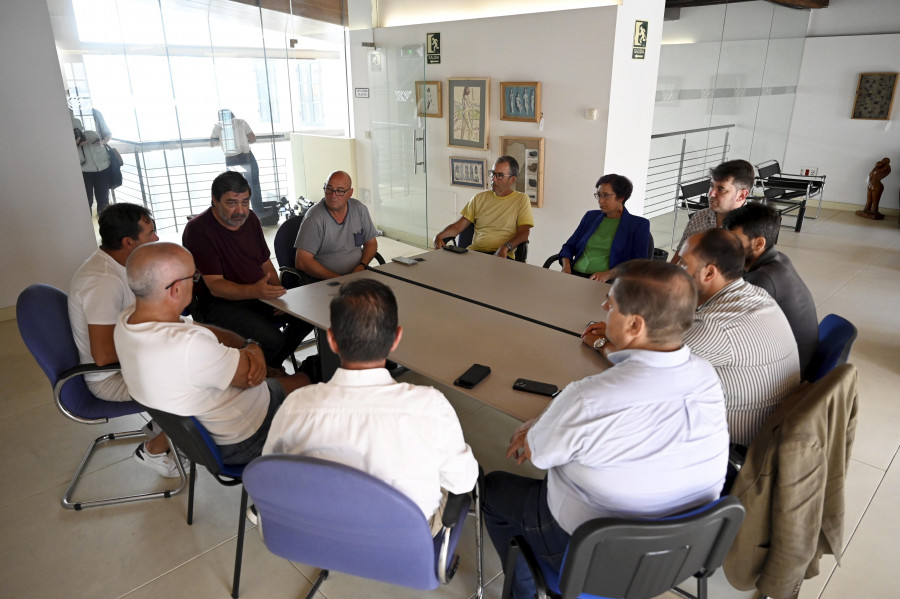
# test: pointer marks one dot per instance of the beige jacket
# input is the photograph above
(792, 486)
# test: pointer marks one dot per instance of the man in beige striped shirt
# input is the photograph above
(740, 329)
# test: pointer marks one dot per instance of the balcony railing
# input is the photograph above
(172, 178)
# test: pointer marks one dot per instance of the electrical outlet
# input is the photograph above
(809, 171)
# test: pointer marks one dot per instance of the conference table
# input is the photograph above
(462, 309)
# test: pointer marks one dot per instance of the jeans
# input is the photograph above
(243, 452)
(250, 169)
(278, 336)
(96, 184)
(517, 505)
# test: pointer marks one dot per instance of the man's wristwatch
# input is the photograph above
(250, 342)
(599, 343)
(508, 246)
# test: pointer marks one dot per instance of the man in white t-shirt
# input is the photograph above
(172, 364)
(406, 435)
(645, 438)
(97, 295)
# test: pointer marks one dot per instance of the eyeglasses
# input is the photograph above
(605, 196)
(195, 276)
(335, 190)
(498, 176)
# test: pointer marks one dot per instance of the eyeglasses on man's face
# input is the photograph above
(335, 190)
(601, 195)
(195, 276)
(498, 175)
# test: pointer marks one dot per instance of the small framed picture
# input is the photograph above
(468, 98)
(529, 153)
(874, 96)
(467, 172)
(428, 99)
(520, 101)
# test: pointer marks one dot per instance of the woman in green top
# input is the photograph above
(607, 237)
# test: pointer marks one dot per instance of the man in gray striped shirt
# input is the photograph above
(740, 329)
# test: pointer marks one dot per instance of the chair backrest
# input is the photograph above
(645, 558)
(42, 313)
(336, 517)
(195, 442)
(693, 189)
(836, 337)
(768, 168)
(284, 241)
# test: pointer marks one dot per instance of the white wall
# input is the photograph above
(855, 17)
(45, 227)
(822, 133)
(572, 53)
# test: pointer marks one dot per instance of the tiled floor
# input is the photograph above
(147, 549)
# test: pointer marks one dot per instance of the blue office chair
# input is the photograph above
(836, 337)
(637, 559)
(192, 439)
(42, 313)
(336, 517)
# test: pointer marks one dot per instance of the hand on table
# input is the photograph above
(266, 291)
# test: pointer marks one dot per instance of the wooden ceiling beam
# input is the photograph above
(329, 11)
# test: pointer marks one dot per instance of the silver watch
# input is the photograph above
(508, 246)
(599, 343)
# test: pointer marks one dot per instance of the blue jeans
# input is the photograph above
(243, 452)
(517, 505)
(250, 171)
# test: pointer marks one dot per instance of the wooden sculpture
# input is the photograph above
(875, 189)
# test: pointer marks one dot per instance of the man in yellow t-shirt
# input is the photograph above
(502, 216)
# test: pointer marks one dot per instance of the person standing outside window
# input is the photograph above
(235, 137)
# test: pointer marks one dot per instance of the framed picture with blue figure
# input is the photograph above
(467, 172)
(520, 101)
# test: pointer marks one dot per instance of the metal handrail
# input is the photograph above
(666, 172)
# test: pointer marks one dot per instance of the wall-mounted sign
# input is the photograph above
(375, 61)
(361, 92)
(433, 47)
(639, 43)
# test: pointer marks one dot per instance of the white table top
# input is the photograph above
(540, 294)
(443, 336)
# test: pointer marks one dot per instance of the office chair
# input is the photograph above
(638, 559)
(42, 313)
(464, 240)
(836, 337)
(192, 439)
(336, 517)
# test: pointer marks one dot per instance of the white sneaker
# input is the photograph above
(162, 463)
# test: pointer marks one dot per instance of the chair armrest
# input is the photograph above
(87, 368)
(379, 258)
(549, 261)
(454, 507)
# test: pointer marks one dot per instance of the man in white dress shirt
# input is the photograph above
(645, 438)
(406, 435)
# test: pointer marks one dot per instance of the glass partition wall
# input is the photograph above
(726, 86)
(162, 71)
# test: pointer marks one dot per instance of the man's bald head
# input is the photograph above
(154, 265)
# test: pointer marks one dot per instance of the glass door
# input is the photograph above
(399, 164)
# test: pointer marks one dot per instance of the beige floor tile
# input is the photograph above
(210, 574)
(870, 562)
(42, 449)
(107, 551)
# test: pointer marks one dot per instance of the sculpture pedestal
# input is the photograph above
(870, 215)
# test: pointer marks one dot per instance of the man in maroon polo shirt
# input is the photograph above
(232, 255)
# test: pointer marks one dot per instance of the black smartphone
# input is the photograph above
(530, 386)
(471, 377)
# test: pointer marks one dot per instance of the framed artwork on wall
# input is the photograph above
(529, 153)
(428, 99)
(520, 101)
(467, 172)
(468, 120)
(874, 96)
